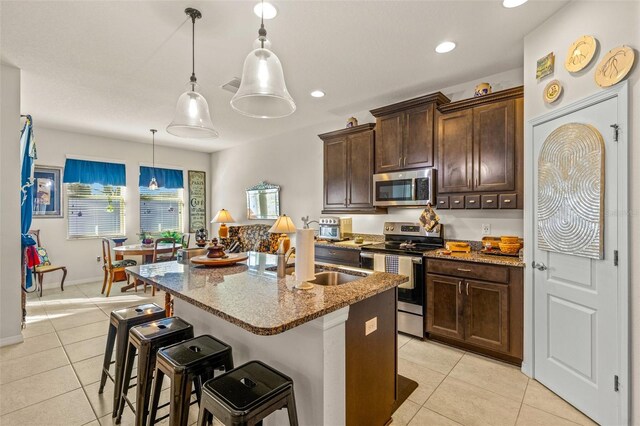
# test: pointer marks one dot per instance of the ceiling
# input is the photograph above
(116, 68)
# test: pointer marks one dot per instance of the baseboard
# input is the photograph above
(11, 340)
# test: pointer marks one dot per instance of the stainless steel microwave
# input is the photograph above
(408, 188)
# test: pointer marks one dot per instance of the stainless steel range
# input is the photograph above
(403, 253)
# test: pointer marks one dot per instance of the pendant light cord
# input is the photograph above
(262, 32)
(193, 51)
(153, 149)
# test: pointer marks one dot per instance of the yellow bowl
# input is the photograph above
(509, 239)
(509, 247)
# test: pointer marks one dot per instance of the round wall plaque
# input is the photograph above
(552, 91)
(580, 53)
(615, 66)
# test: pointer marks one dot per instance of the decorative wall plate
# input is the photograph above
(581, 53)
(552, 91)
(615, 66)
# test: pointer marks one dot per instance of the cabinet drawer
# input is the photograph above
(476, 271)
(490, 201)
(457, 201)
(338, 256)
(443, 203)
(472, 201)
(508, 201)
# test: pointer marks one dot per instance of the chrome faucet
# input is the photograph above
(283, 259)
(306, 222)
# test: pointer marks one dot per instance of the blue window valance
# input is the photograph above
(166, 178)
(90, 172)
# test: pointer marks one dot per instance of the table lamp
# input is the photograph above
(223, 217)
(284, 225)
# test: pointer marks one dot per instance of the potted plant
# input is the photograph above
(146, 239)
(177, 236)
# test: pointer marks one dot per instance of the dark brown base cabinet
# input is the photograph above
(348, 170)
(477, 307)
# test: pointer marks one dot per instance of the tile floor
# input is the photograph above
(52, 378)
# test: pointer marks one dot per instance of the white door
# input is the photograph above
(576, 333)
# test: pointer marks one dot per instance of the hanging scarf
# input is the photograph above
(27, 155)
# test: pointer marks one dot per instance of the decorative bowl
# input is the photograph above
(482, 89)
(511, 248)
(510, 239)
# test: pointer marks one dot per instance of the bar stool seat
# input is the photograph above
(121, 321)
(146, 339)
(191, 361)
(247, 395)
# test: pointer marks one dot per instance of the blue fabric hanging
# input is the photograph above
(90, 172)
(167, 178)
(27, 154)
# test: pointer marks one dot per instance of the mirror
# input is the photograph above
(263, 201)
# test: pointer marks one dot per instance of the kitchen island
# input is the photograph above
(337, 343)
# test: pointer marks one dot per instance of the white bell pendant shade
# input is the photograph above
(192, 118)
(263, 92)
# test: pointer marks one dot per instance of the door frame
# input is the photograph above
(621, 93)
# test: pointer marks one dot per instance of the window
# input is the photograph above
(94, 210)
(160, 210)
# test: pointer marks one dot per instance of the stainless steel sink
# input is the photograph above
(291, 269)
(333, 278)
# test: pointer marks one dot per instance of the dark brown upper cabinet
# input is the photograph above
(405, 134)
(480, 147)
(348, 170)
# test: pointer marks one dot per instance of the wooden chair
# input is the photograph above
(40, 270)
(112, 267)
(162, 257)
(186, 239)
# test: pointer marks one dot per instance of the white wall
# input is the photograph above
(612, 24)
(80, 255)
(293, 160)
(10, 306)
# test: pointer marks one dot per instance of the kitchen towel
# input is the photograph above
(391, 264)
(305, 255)
(405, 267)
(379, 263)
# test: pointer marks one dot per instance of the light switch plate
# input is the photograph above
(486, 229)
(370, 326)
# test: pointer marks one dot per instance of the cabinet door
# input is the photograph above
(494, 146)
(389, 142)
(418, 137)
(487, 314)
(335, 173)
(455, 154)
(360, 182)
(444, 306)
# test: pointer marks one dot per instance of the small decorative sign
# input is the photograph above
(197, 200)
(47, 193)
(545, 66)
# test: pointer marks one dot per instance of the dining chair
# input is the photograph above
(111, 267)
(45, 265)
(186, 239)
(162, 257)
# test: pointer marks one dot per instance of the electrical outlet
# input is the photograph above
(486, 229)
(370, 326)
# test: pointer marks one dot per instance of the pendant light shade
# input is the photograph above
(192, 118)
(153, 184)
(263, 92)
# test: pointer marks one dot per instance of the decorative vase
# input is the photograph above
(215, 250)
(352, 122)
(482, 89)
(201, 237)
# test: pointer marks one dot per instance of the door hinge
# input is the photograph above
(615, 258)
(616, 383)
(616, 130)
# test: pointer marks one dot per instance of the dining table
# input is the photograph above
(146, 251)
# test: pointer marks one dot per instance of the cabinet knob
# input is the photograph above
(507, 200)
(456, 202)
(441, 202)
(489, 201)
(467, 290)
(464, 270)
(459, 287)
(472, 201)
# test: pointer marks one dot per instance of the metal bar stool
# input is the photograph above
(121, 322)
(146, 339)
(191, 361)
(246, 395)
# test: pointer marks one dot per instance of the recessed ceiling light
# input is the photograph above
(270, 10)
(513, 3)
(445, 46)
(317, 93)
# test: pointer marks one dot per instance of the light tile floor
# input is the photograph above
(53, 377)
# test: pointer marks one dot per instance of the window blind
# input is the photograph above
(160, 210)
(94, 211)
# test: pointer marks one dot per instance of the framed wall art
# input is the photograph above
(197, 185)
(47, 192)
(545, 66)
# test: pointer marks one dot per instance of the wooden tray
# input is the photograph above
(231, 259)
(497, 252)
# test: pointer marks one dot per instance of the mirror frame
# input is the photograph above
(263, 188)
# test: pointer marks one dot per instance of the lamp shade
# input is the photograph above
(283, 225)
(223, 216)
(263, 92)
(192, 118)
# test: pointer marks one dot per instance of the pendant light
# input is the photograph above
(263, 92)
(192, 118)
(153, 184)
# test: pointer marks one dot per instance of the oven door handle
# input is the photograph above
(414, 190)
(414, 259)
(367, 255)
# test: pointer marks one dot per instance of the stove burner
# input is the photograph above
(407, 245)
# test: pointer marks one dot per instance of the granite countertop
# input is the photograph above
(349, 245)
(477, 257)
(251, 296)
